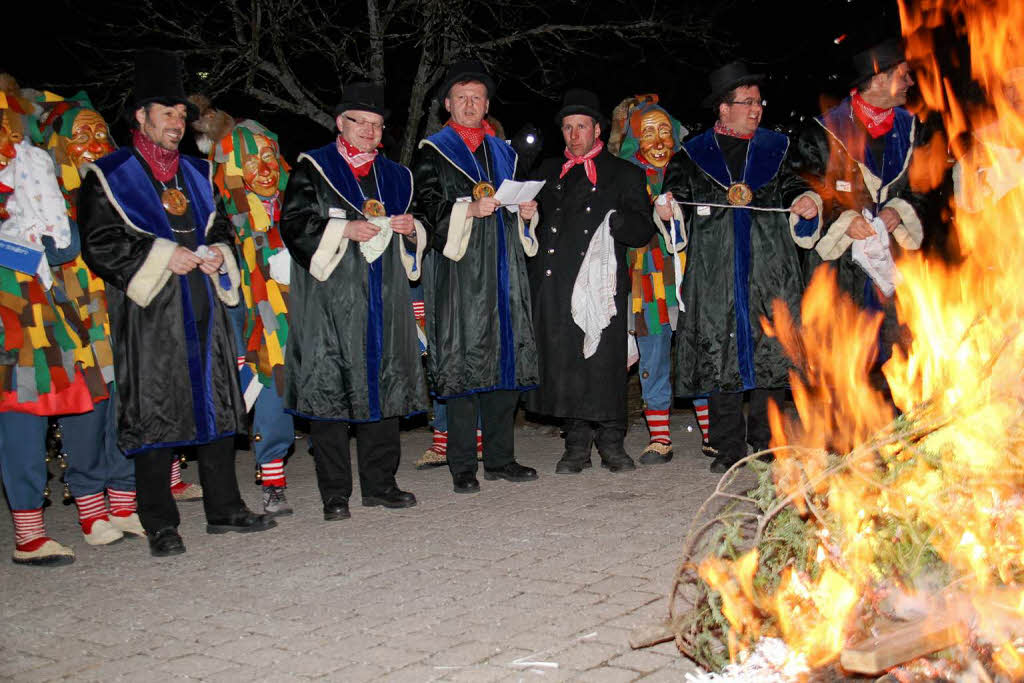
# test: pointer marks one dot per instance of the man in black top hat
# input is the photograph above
(740, 258)
(481, 350)
(595, 206)
(352, 356)
(152, 231)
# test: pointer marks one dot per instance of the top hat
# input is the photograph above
(729, 77)
(363, 96)
(463, 72)
(158, 80)
(877, 59)
(580, 101)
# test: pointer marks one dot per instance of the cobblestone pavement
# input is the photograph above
(537, 581)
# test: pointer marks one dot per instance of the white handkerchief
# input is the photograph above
(873, 255)
(281, 267)
(375, 246)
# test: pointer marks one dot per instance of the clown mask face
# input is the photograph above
(90, 138)
(10, 135)
(261, 171)
(655, 135)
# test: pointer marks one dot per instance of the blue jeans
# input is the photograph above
(23, 459)
(95, 462)
(654, 368)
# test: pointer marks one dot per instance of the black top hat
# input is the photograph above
(580, 101)
(462, 72)
(729, 77)
(158, 80)
(877, 59)
(363, 96)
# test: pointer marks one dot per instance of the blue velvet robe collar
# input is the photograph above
(765, 153)
(501, 155)
(393, 180)
(844, 127)
(133, 192)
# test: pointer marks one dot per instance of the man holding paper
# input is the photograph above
(152, 231)
(481, 350)
(595, 206)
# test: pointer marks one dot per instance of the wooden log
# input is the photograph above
(652, 634)
(902, 643)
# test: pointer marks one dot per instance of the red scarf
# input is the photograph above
(878, 121)
(162, 162)
(472, 136)
(587, 160)
(359, 162)
(723, 129)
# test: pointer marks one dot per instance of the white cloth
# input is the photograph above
(874, 256)
(281, 267)
(375, 246)
(593, 293)
(36, 206)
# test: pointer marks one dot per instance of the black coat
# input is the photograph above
(571, 209)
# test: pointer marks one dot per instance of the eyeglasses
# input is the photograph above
(749, 103)
(364, 124)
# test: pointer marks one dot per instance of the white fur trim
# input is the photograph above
(528, 240)
(332, 247)
(806, 242)
(460, 227)
(909, 233)
(832, 245)
(230, 296)
(153, 274)
(670, 243)
(414, 262)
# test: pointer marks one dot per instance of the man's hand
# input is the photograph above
(361, 231)
(403, 224)
(664, 209)
(483, 207)
(528, 210)
(860, 229)
(804, 207)
(183, 261)
(212, 263)
(891, 218)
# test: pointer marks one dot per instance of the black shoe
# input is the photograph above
(619, 463)
(572, 465)
(166, 542)
(722, 463)
(465, 482)
(709, 450)
(510, 472)
(336, 508)
(244, 521)
(391, 498)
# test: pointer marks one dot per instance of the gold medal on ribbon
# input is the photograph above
(374, 209)
(740, 194)
(174, 201)
(483, 189)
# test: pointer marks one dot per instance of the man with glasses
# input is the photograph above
(352, 356)
(725, 191)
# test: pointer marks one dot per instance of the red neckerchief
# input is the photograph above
(587, 160)
(162, 162)
(359, 162)
(878, 121)
(723, 129)
(472, 136)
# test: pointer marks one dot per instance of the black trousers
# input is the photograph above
(609, 435)
(378, 449)
(497, 411)
(221, 498)
(730, 432)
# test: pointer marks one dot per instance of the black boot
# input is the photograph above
(578, 437)
(610, 438)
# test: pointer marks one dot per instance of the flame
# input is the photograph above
(951, 471)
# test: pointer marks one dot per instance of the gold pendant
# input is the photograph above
(483, 189)
(740, 194)
(374, 209)
(174, 201)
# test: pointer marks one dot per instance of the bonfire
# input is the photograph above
(887, 537)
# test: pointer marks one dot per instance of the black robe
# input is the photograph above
(571, 209)
(174, 351)
(475, 288)
(352, 351)
(738, 261)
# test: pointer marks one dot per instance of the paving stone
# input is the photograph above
(609, 674)
(643, 661)
(194, 665)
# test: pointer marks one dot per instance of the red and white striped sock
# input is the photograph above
(418, 310)
(29, 530)
(657, 423)
(273, 473)
(440, 444)
(700, 406)
(241, 362)
(479, 442)
(91, 508)
(122, 503)
(175, 472)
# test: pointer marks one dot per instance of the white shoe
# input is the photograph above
(49, 553)
(103, 533)
(185, 491)
(128, 525)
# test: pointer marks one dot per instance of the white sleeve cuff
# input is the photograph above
(460, 227)
(413, 261)
(835, 241)
(528, 233)
(675, 232)
(153, 274)
(229, 296)
(909, 233)
(808, 241)
(332, 247)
